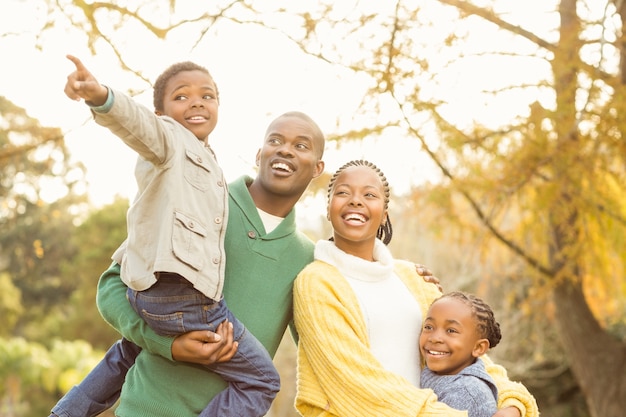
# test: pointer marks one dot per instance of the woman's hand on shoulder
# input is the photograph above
(428, 276)
(204, 347)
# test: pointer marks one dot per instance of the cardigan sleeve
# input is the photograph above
(117, 311)
(337, 363)
(511, 393)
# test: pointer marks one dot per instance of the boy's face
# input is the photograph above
(450, 340)
(290, 157)
(191, 99)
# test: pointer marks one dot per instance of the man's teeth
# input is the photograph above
(432, 352)
(284, 167)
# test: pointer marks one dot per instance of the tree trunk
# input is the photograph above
(597, 359)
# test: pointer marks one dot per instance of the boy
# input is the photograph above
(173, 260)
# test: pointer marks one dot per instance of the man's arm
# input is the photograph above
(205, 347)
(202, 347)
(117, 311)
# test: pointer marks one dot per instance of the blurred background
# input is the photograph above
(497, 123)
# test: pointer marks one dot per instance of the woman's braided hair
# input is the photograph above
(385, 231)
(488, 327)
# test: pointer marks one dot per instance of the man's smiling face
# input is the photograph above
(290, 157)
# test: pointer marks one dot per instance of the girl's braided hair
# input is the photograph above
(385, 231)
(488, 327)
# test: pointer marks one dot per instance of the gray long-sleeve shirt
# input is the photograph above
(472, 389)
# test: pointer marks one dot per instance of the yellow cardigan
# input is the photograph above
(337, 373)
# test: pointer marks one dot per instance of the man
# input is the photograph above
(264, 251)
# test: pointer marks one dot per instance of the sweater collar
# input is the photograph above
(240, 195)
(354, 267)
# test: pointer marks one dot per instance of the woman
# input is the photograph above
(358, 313)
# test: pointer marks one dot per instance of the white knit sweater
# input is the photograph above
(392, 315)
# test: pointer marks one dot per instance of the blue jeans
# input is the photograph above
(101, 388)
(171, 307)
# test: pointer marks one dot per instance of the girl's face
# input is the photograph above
(450, 340)
(191, 99)
(356, 210)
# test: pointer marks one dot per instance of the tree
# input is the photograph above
(548, 186)
(35, 233)
(97, 237)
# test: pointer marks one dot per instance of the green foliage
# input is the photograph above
(21, 367)
(98, 237)
(36, 245)
(48, 264)
(73, 361)
(35, 233)
(10, 304)
(28, 369)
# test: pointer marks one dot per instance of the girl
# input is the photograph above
(458, 329)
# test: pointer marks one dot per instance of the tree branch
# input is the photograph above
(468, 8)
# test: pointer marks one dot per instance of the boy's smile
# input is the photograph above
(191, 99)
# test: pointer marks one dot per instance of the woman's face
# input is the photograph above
(356, 210)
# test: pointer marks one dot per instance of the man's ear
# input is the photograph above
(319, 168)
(480, 347)
(258, 157)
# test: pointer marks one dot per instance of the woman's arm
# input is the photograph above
(514, 400)
(334, 351)
(510, 393)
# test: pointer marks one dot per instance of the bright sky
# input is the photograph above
(257, 83)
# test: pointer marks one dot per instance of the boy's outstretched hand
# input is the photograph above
(82, 85)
